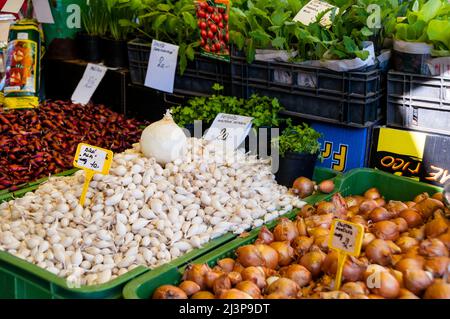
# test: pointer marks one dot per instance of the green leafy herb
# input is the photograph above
(298, 139)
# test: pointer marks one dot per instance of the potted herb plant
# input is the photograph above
(115, 53)
(299, 150)
(94, 20)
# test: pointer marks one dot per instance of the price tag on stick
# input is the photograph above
(93, 160)
(346, 238)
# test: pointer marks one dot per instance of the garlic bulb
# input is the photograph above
(163, 140)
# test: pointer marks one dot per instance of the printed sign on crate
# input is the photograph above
(421, 156)
(343, 148)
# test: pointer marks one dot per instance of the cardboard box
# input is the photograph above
(422, 156)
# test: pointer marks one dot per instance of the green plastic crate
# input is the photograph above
(21, 279)
(355, 182)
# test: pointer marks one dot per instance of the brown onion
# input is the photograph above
(433, 248)
(277, 295)
(355, 288)
(395, 207)
(381, 282)
(238, 267)
(379, 252)
(196, 273)
(220, 284)
(285, 230)
(417, 280)
(386, 230)
(301, 226)
(235, 277)
(297, 273)
(234, 294)
(438, 290)
(379, 214)
(406, 243)
(410, 204)
(351, 201)
(313, 262)
(380, 201)
(333, 295)
(421, 197)
(354, 210)
(326, 186)
(437, 226)
(427, 207)
(409, 263)
(358, 219)
(402, 225)
(372, 193)
(439, 196)
(353, 268)
(302, 244)
(417, 233)
(324, 208)
(285, 252)
(211, 276)
(412, 217)
(265, 236)
(203, 295)
(255, 275)
(372, 296)
(406, 294)
(169, 292)
(445, 238)
(283, 286)
(367, 206)
(250, 288)
(257, 255)
(307, 210)
(189, 287)
(303, 187)
(438, 266)
(367, 239)
(226, 264)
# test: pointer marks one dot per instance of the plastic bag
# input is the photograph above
(23, 61)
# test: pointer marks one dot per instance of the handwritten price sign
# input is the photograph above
(93, 160)
(162, 65)
(346, 238)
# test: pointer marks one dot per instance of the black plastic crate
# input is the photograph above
(419, 102)
(200, 75)
(350, 98)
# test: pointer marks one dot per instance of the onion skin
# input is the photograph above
(211, 277)
(257, 255)
(307, 210)
(386, 230)
(433, 248)
(220, 284)
(402, 225)
(410, 263)
(412, 217)
(313, 262)
(418, 233)
(333, 295)
(303, 187)
(372, 193)
(196, 273)
(355, 288)
(439, 196)
(445, 238)
(427, 207)
(379, 252)
(234, 294)
(169, 292)
(326, 186)
(436, 227)
(284, 286)
(379, 214)
(388, 286)
(285, 252)
(358, 219)
(235, 277)
(367, 206)
(203, 295)
(265, 236)
(302, 244)
(297, 273)
(421, 197)
(238, 267)
(189, 287)
(406, 243)
(438, 290)
(410, 204)
(395, 207)
(324, 208)
(286, 230)
(301, 226)
(255, 275)
(367, 239)
(226, 264)
(353, 268)
(406, 294)
(250, 288)
(416, 280)
(277, 295)
(438, 266)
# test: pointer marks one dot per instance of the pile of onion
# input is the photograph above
(405, 255)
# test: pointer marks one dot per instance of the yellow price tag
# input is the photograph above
(346, 238)
(93, 160)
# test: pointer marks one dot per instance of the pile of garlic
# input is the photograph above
(140, 214)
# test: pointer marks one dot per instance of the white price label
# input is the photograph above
(42, 11)
(91, 79)
(308, 14)
(346, 237)
(93, 158)
(13, 6)
(229, 129)
(162, 66)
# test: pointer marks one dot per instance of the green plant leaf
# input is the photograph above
(163, 7)
(159, 21)
(189, 19)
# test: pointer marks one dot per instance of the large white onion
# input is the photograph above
(163, 140)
